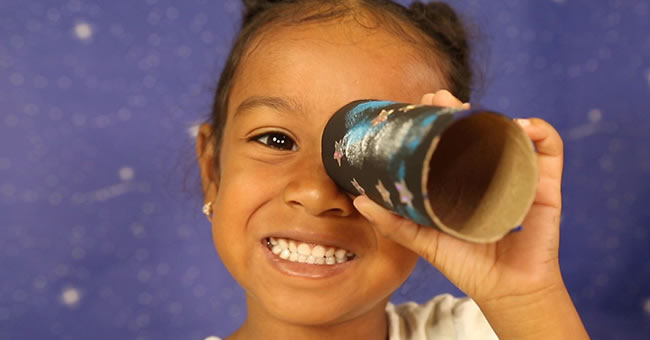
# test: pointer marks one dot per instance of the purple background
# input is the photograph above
(101, 234)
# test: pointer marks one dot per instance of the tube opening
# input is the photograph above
(482, 177)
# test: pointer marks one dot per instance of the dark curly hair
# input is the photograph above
(434, 24)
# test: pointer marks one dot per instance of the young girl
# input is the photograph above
(293, 65)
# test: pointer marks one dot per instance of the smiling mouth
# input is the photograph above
(316, 254)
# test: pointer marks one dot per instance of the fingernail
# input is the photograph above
(466, 106)
(522, 122)
(427, 98)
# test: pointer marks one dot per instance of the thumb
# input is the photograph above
(420, 239)
(444, 98)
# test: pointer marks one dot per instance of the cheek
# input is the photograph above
(398, 261)
(243, 182)
(245, 185)
(237, 200)
(241, 191)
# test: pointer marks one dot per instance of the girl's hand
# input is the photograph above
(514, 272)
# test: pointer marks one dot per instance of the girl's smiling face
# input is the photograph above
(272, 182)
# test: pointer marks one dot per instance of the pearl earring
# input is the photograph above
(207, 210)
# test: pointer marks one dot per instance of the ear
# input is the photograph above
(205, 153)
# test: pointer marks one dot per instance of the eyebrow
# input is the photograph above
(279, 104)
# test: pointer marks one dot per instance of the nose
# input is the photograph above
(314, 191)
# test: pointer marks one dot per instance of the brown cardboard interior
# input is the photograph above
(482, 177)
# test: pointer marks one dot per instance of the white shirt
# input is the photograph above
(442, 318)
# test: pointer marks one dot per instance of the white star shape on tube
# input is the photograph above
(338, 151)
(385, 194)
(358, 186)
(405, 196)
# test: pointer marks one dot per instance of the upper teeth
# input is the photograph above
(304, 253)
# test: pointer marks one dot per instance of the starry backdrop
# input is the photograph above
(101, 235)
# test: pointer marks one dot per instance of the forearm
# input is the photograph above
(548, 315)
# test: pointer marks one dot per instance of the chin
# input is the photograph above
(321, 310)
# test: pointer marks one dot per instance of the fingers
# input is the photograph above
(427, 99)
(547, 140)
(549, 145)
(399, 229)
(550, 160)
(443, 98)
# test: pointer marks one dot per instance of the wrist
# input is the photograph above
(546, 314)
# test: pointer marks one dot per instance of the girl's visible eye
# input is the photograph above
(276, 140)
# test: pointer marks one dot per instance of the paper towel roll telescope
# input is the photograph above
(471, 174)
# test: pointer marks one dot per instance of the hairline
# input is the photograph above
(393, 27)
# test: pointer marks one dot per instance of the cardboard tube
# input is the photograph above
(471, 174)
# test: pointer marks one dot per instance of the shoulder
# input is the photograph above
(443, 317)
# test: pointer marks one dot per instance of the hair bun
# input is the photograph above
(434, 10)
(445, 19)
(441, 23)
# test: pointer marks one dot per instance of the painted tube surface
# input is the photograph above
(471, 174)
